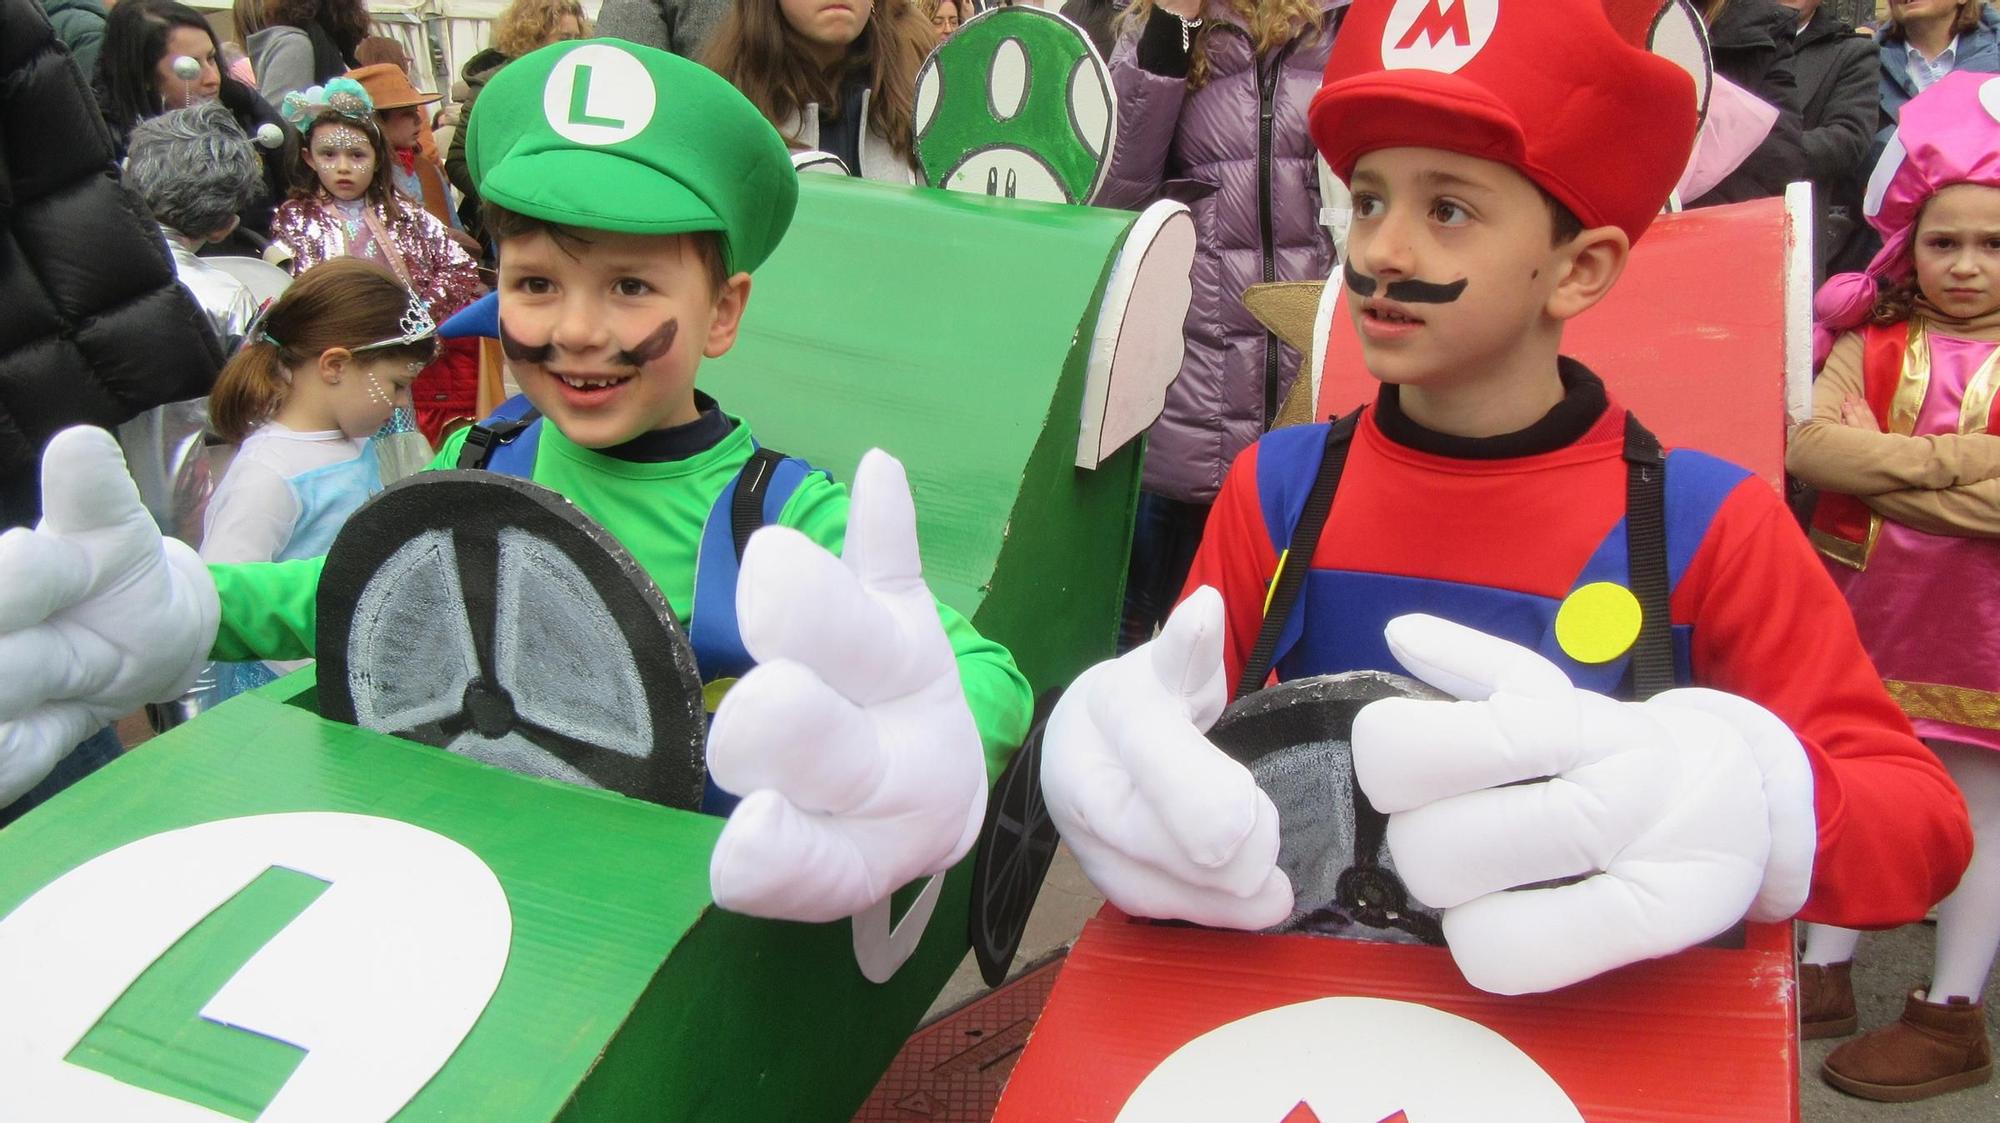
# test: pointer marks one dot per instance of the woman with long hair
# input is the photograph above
(1212, 98)
(835, 75)
(160, 55)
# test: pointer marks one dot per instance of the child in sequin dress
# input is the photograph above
(346, 205)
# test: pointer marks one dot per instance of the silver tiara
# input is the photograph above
(416, 326)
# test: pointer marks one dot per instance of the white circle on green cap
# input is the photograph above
(599, 95)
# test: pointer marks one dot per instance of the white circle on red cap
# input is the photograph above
(1349, 1060)
(1989, 97)
(1440, 35)
(599, 95)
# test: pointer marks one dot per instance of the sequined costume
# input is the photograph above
(419, 251)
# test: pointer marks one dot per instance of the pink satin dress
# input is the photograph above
(1928, 605)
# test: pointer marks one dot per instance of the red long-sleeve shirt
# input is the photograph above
(1496, 534)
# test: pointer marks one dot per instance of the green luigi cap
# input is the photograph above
(604, 134)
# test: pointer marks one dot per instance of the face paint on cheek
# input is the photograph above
(519, 352)
(653, 346)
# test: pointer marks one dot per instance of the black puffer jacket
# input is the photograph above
(94, 329)
(1752, 46)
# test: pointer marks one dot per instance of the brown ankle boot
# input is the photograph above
(1826, 1000)
(1933, 1049)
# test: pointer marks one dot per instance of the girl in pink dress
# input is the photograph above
(1904, 445)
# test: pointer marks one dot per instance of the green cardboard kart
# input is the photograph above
(438, 939)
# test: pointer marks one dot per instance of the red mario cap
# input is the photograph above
(1548, 87)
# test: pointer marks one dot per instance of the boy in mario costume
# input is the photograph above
(1502, 163)
(632, 193)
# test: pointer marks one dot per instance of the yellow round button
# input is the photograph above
(1598, 622)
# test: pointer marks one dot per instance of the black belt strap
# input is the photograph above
(746, 511)
(1297, 558)
(483, 438)
(1651, 669)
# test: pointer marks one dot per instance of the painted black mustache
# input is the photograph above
(652, 347)
(1404, 292)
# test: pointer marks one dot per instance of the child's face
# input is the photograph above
(828, 24)
(1958, 250)
(369, 389)
(1449, 264)
(400, 127)
(604, 336)
(343, 158)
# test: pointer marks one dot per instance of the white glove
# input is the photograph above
(1163, 822)
(1690, 810)
(98, 614)
(850, 741)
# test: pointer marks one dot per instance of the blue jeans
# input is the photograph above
(94, 753)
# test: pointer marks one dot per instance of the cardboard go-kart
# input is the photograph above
(268, 914)
(1167, 1023)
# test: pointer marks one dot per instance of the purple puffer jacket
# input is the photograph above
(1207, 150)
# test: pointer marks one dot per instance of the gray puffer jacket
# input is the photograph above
(1236, 151)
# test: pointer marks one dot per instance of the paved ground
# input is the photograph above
(1888, 965)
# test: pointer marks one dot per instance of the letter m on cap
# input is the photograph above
(1436, 20)
(1440, 35)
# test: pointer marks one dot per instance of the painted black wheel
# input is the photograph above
(486, 615)
(1016, 844)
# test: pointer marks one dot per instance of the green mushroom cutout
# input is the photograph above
(1018, 104)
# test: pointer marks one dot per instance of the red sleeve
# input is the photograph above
(1769, 625)
(1237, 560)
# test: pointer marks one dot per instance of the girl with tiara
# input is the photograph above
(316, 379)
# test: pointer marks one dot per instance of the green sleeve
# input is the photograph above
(269, 609)
(995, 689)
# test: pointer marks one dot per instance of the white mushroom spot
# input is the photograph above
(1008, 86)
(928, 80)
(1090, 106)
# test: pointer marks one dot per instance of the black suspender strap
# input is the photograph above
(1297, 558)
(746, 510)
(1652, 666)
(482, 439)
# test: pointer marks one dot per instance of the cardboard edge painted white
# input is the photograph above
(1798, 300)
(1138, 345)
(1329, 302)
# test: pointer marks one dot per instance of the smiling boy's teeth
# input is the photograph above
(589, 383)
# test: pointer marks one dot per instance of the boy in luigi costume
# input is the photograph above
(1496, 524)
(632, 194)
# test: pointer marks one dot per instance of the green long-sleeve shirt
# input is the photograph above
(656, 511)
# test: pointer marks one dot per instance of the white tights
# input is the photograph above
(1968, 924)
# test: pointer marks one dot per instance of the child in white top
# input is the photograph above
(315, 380)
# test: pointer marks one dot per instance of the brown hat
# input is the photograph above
(388, 87)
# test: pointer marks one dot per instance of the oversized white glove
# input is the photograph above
(1163, 822)
(1686, 812)
(850, 741)
(98, 614)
